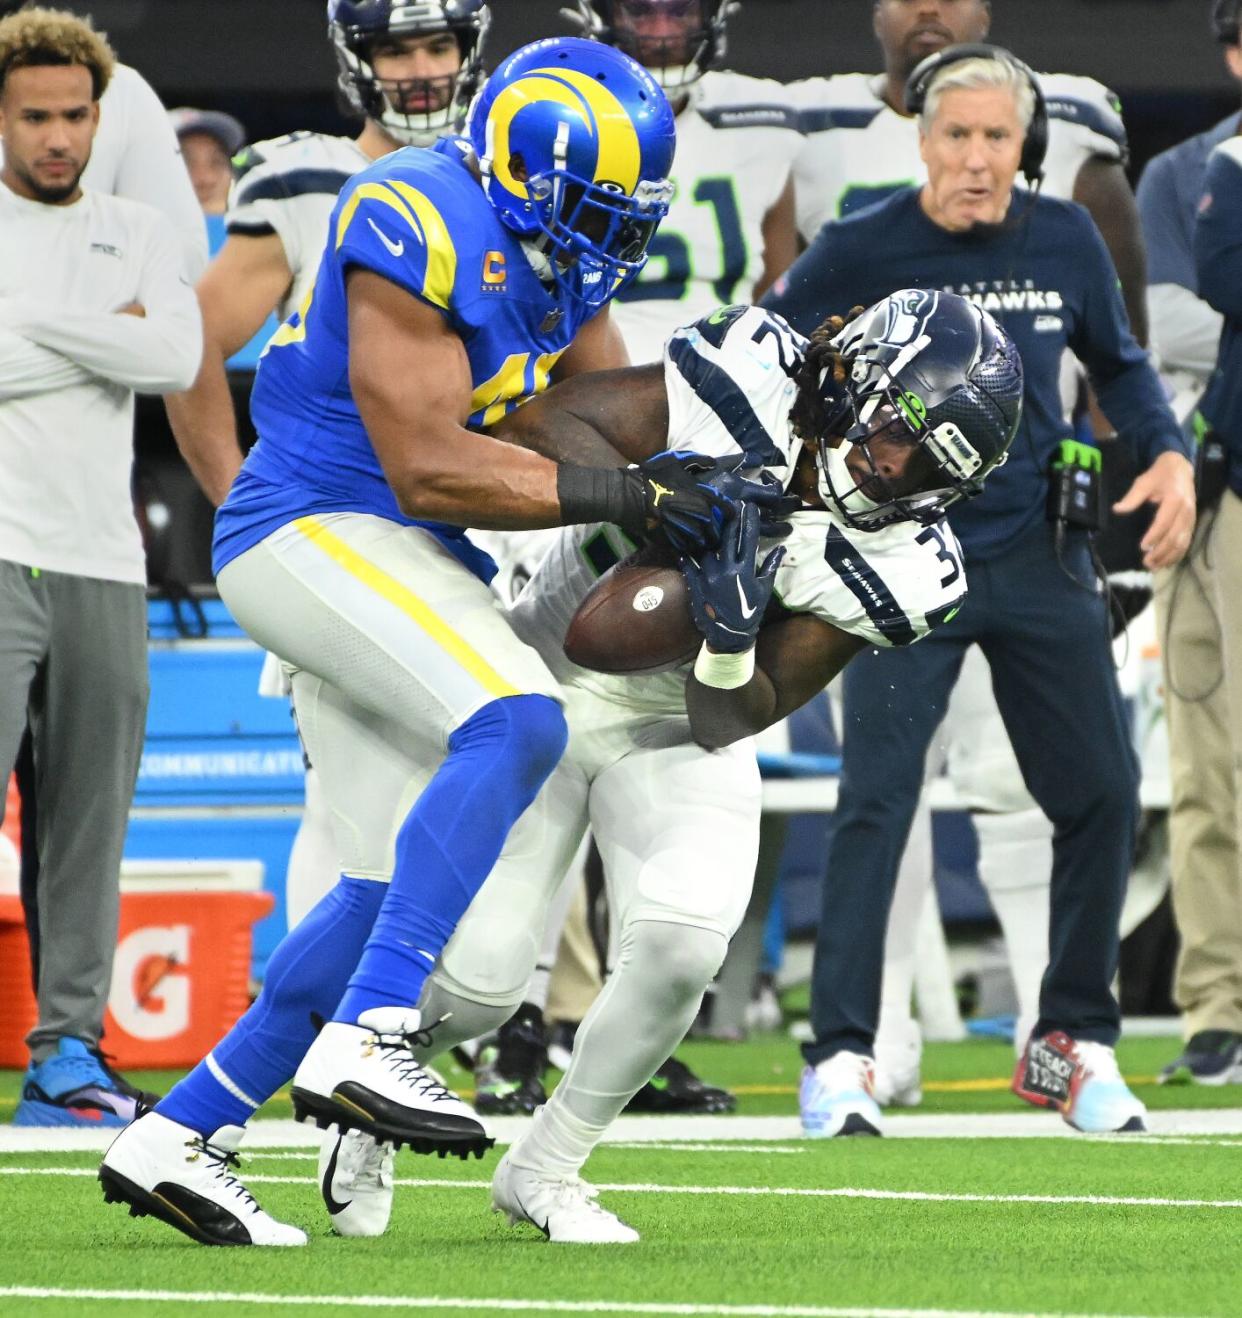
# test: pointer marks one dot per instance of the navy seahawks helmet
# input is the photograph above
(689, 38)
(575, 141)
(931, 370)
(1225, 18)
(354, 26)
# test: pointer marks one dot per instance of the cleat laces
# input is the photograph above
(574, 1193)
(398, 1051)
(219, 1162)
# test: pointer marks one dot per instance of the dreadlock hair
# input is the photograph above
(823, 370)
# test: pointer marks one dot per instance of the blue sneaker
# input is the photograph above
(1211, 1057)
(73, 1088)
(837, 1097)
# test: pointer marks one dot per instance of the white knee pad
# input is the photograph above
(456, 1018)
(676, 961)
(1015, 850)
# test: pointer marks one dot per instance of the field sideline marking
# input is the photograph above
(507, 1304)
(282, 1132)
(296, 1155)
(790, 1192)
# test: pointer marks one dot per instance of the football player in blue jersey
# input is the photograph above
(456, 280)
(409, 72)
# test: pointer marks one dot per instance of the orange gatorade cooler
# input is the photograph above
(181, 974)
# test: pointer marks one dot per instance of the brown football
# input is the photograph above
(635, 619)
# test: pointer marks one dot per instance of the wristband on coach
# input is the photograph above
(725, 672)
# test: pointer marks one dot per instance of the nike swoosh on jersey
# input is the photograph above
(396, 248)
(747, 612)
(334, 1205)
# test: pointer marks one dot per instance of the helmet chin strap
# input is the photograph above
(538, 259)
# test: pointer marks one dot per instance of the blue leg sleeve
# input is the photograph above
(497, 762)
(305, 977)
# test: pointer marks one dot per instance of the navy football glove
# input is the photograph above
(728, 593)
(766, 493)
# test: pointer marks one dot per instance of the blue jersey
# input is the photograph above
(1049, 280)
(420, 218)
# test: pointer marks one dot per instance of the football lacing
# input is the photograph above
(219, 1162)
(398, 1051)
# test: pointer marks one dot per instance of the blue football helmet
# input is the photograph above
(355, 25)
(678, 40)
(929, 370)
(575, 141)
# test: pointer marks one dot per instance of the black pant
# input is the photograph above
(1047, 643)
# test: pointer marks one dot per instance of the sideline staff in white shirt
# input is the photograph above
(94, 305)
(136, 154)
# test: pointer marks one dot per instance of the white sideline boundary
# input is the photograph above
(744, 1191)
(674, 1131)
(504, 1305)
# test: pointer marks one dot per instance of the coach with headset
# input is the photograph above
(1035, 606)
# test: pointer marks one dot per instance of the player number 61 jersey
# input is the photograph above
(729, 392)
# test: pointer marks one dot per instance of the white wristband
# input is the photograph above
(725, 672)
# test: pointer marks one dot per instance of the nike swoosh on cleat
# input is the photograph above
(396, 248)
(335, 1206)
(541, 1226)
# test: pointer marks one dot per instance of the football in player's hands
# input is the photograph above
(636, 618)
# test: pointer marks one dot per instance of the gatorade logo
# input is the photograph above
(150, 996)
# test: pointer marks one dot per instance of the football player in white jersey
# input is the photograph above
(661, 766)
(861, 145)
(729, 233)
(730, 229)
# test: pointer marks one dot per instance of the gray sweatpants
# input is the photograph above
(73, 664)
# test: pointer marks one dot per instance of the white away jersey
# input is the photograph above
(288, 186)
(736, 142)
(858, 150)
(729, 392)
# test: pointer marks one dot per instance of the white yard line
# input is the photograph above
(759, 1191)
(268, 1133)
(504, 1305)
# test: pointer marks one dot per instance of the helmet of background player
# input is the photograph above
(1225, 21)
(678, 40)
(575, 141)
(932, 374)
(355, 25)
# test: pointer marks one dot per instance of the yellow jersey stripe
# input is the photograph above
(376, 579)
(441, 253)
(378, 192)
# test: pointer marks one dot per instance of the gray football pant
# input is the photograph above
(73, 664)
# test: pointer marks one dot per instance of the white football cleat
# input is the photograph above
(365, 1077)
(837, 1097)
(355, 1179)
(564, 1208)
(898, 1065)
(163, 1169)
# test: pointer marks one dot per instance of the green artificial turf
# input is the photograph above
(702, 1248)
